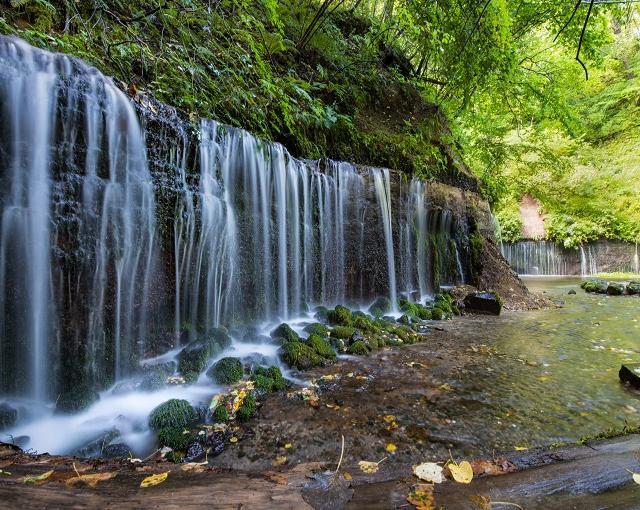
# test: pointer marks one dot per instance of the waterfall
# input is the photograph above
(122, 237)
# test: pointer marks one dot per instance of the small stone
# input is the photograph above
(195, 452)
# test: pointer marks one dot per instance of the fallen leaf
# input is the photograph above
(233, 439)
(3, 472)
(482, 502)
(37, 478)
(462, 473)
(492, 467)
(391, 448)
(520, 448)
(429, 472)
(368, 467)
(196, 467)
(288, 446)
(389, 418)
(347, 476)
(422, 498)
(279, 461)
(636, 478)
(91, 480)
(156, 479)
(278, 478)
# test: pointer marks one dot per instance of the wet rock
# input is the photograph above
(356, 337)
(255, 360)
(284, 332)
(96, 446)
(216, 442)
(322, 313)
(343, 332)
(483, 302)
(21, 441)
(8, 416)
(380, 306)
(571, 292)
(615, 289)
(404, 319)
(630, 374)
(156, 376)
(299, 355)
(359, 348)
(340, 315)
(595, 285)
(195, 452)
(317, 329)
(338, 344)
(116, 451)
(633, 288)
(321, 347)
(76, 398)
(192, 360)
(226, 371)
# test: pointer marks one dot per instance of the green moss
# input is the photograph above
(321, 347)
(322, 313)
(437, 314)
(192, 360)
(340, 315)
(247, 409)
(226, 371)
(595, 285)
(173, 413)
(424, 313)
(317, 329)
(176, 438)
(299, 355)
(358, 348)
(262, 383)
(343, 332)
(285, 332)
(220, 414)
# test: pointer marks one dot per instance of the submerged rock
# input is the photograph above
(572, 292)
(483, 302)
(8, 416)
(226, 371)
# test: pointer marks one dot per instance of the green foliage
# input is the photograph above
(358, 348)
(173, 413)
(340, 315)
(300, 355)
(247, 409)
(176, 438)
(343, 332)
(317, 329)
(278, 382)
(321, 347)
(220, 414)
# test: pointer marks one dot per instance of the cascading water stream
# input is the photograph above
(383, 194)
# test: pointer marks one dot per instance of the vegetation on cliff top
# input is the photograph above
(372, 81)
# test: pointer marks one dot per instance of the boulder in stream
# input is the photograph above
(595, 285)
(630, 374)
(633, 288)
(483, 302)
(615, 289)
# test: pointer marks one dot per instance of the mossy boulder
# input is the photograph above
(410, 309)
(424, 313)
(404, 319)
(444, 302)
(364, 323)
(615, 289)
(437, 314)
(76, 398)
(483, 303)
(633, 288)
(595, 285)
(322, 313)
(340, 315)
(247, 409)
(226, 371)
(286, 333)
(380, 306)
(300, 355)
(192, 360)
(321, 347)
(174, 413)
(176, 438)
(268, 379)
(317, 329)
(343, 332)
(358, 348)
(220, 414)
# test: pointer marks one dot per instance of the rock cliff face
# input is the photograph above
(128, 228)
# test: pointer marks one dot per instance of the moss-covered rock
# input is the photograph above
(424, 313)
(278, 382)
(176, 438)
(595, 285)
(365, 323)
(286, 333)
(340, 315)
(404, 319)
(633, 288)
(358, 348)
(321, 347)
(338, 344)
(615, 289)
(226, 371)
(343, 332)
(300, 355)
(317, 329)
(76, 398)
(380, 306)
(410, 309)
(220, 414)
(174, 413)
(262, 383)
(247, 409)
(192, 360)
(322, 313)
(437, 314)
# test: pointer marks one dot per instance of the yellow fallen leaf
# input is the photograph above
(233, 439)
(347, 476)
(197, 467)
(389, 418)
(636, 478)
(156, 479)
(391, 447)
(521, 448)
(288, 446)
(429, 472)
(91, 480)
(462, 473)
(279, 461)
(3, 472)
(37, 478)
(368, 467)
(422, 498)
